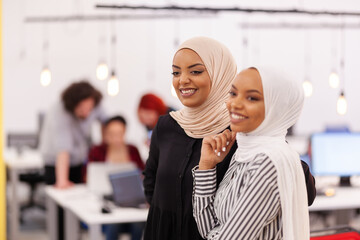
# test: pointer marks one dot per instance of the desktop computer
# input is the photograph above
(336, 154)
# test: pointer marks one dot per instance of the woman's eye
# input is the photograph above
(175, 73)
(232, 94)
(196, 72)
(252, 98)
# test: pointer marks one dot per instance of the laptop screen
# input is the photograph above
(127, 188)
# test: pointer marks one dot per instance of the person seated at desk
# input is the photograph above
(115, 150)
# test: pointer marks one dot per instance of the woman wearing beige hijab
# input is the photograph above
(203, 70)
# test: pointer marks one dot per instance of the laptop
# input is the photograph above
(128, 189)
(98, 175)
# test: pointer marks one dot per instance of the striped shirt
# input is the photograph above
(245, 206)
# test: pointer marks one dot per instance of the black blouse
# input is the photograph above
(168, 182)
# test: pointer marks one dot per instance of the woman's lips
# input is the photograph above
(236, 117)
(187, 92)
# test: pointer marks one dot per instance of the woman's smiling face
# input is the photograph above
(246, 101)
(190, 78)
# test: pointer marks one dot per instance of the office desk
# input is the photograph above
(345, 200)
(80, 204)
(16, 164)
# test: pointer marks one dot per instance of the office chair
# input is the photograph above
(32, 178)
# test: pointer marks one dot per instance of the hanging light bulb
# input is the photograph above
(45, 77)
(308, 88)
(173, 92)
(113, 85)
(341, 105)
(102, 71)
(334, 80)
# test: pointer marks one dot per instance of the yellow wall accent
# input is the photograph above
(2, 164)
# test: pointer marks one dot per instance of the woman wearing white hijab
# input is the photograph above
(203, 70)
(263, 193)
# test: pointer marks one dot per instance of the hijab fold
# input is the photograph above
(212, 116)
(283, 104)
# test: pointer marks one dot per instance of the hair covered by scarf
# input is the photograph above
(283, 100)
(212, 116)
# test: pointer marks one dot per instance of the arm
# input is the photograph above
(62, 170)
(203, 198)
(310, 183)
(151, 166)
(259, 202)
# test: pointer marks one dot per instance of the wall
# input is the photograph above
(145, 49)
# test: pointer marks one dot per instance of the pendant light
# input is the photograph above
(307, 84)
(341, 105)
(113, 85)
(334, 80)
(45, 75)
(102, 69)
(308, 88)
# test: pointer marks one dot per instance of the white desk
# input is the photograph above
(345, 200)
(29, 160)
(80, 204)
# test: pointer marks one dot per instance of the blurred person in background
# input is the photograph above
(151, 107)
(114, 149)
(65, 137)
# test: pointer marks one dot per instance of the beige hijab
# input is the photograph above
(212, 116)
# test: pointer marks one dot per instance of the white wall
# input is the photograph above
(145, 49)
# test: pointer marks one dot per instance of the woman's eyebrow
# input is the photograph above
(254, 90)
(196, 64)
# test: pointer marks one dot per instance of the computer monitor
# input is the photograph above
(336, 154)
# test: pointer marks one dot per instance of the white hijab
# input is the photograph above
(283, 100)
(212, 116)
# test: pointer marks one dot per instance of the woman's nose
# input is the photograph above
(237, 103)
(184, 79)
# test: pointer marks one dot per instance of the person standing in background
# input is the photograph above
(151, 107)
(65, 137)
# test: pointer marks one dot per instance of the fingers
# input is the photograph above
(222, 142)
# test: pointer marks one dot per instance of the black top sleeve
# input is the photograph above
(310, 183)
(151, 166)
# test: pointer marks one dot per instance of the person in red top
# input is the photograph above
(114, 149)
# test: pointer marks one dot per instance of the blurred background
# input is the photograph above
(125, 49)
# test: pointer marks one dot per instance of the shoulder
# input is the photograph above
(263, 167)
(132, 148)
(98, 149)
(167, 124)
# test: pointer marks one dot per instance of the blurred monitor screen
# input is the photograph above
(335, 154)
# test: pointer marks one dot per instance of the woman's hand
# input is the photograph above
(215, 148)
